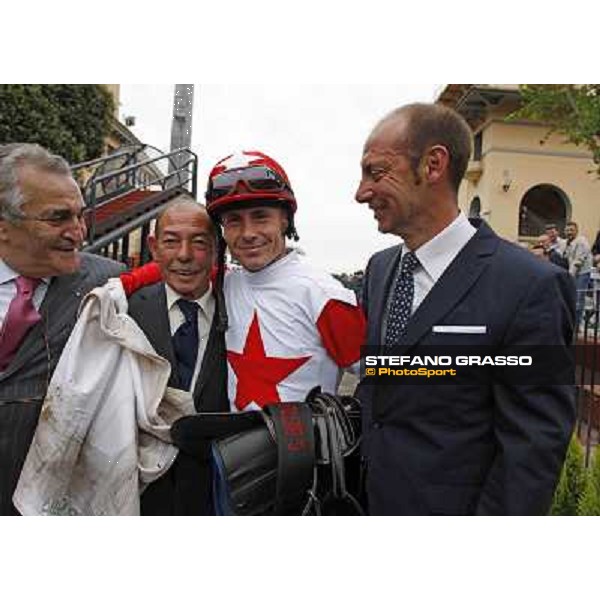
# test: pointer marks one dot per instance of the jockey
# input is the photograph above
(291, 326)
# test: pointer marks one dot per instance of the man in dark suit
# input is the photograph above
(178, 318)
(43, 278)
(487, 444)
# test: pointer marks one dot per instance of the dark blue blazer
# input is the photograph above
(478, 446)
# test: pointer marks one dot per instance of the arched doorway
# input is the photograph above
(475, 208)
(543, 204)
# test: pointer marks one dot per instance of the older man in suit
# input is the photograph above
(178, 318)
(487, 444)
(43, 277)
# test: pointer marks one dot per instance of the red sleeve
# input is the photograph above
(343, 329)
(140, 277)
(147, 275)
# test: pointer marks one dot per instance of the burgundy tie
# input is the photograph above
(19, 319)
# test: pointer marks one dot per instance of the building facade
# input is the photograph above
(519, 178)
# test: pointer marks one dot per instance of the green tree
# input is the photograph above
(570, 110)
(572, 481)
(70, 120)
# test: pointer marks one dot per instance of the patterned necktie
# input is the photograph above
(185, 342)
(402, 300)
(19, 319)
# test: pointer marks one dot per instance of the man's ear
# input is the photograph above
(286, 221)
(436, 162)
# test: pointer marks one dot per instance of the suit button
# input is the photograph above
(377, 425)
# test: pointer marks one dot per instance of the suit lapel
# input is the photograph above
(208, 366)
(153, 318)
(378, 294)
(453, 285)
(210, 391)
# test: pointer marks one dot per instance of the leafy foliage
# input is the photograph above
(572, 481)
(70, 120)
(570, 110)
(589, 503)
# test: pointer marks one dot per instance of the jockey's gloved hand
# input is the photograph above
(193, 434)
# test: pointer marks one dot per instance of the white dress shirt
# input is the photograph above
(205, 318)
(434, 257)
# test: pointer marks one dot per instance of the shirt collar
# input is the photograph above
(205, 302)
(436, 255)
(8, 274)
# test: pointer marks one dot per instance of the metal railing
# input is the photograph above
(108, 179)
(587, 357)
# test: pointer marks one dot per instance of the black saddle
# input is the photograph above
(288, 459)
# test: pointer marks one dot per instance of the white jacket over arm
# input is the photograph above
(103, 431)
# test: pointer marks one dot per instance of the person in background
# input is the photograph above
(557, 243)
(542, 249)
(579, 255)
(596, 250)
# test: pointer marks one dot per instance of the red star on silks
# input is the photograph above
(258, 374)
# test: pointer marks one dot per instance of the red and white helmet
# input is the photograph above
(245, 179)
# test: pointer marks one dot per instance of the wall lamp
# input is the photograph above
(506, 181)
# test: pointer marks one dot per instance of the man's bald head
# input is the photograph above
(183, 245)
(187, 206)
(416, 127)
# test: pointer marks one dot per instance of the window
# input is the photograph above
(475, 208)
(543, 204)
(477, 145)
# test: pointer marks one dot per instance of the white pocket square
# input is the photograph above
(460, 329)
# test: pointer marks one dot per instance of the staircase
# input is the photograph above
(120, 210)
(125, 191)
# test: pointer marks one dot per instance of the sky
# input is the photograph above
(315, 131)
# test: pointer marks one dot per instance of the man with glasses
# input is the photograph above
(43, 277)
(480, 442)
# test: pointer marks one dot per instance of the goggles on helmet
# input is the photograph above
(247, 179)
(259, 178)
